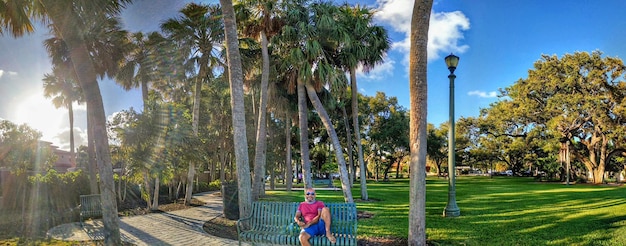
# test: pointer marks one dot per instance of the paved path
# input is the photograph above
(181, 227)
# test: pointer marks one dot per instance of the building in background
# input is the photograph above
(65, 162)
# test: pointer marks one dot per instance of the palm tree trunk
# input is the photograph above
(288, 165)
(91, 155)
(235, 74)
(304, 135)
(70, 110)
(194, 124)
(155, 197)
(146, 183)
(144, 94)
(357, 134)
(261, 135)
(418, 122)
(87, 78)
(349, 145)
(341, 162)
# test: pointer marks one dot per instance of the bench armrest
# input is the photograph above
(240, 223)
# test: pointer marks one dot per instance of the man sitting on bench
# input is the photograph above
(314, 218)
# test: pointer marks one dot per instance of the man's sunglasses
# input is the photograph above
(310, 193)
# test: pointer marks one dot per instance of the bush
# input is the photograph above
(204, 187)
(215, 185)
(201, 187)
(33, 204)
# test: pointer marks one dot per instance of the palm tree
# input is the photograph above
(60, 57)
(138, 69)
(105, 41)
(64, 91)
(418, 125)
(307, 39)
(200, 31)
(15, 17)
(366, 44)
(260, 19)
(235, 74)
(68, 18)
(284, 104)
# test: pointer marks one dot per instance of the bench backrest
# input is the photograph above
(90, 206)
(344, 218)
(275, 216)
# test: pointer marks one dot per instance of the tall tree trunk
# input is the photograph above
(288, 164)
(223, 158)
(87, 79)
(304, 135)
(178, 188)
(349, 145)
(341, 162)
(70, 110)
(212, 174)
(261, 135)
(146, 183)
(235, 74)
(88, 82)
(155, 197)
(91, 156)
(418, 86)
(144, 94)
(119, 187)
(398, 169)
(194, 125)
(357, 133)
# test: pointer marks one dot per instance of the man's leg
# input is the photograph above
(326, 218)
(304, 238)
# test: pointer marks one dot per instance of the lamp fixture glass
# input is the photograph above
(452, 61)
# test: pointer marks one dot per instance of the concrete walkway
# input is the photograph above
(181, 227)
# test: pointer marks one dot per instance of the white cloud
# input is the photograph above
(445, 31)
(491, 94)
(63, 138)
(10, 73)
(395, 13)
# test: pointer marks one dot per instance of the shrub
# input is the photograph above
(38, 202)
(201, 187)
(215, 185)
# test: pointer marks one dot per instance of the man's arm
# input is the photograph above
(298, 220)
(316, 219)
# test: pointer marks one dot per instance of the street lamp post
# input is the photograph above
(451, 210)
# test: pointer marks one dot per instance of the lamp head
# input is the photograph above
(452, 61)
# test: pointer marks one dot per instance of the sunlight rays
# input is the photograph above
(39, 113)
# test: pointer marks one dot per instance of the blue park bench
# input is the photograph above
(272, 223)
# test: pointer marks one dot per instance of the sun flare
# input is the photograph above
(39, 113)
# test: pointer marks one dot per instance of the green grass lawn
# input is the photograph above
(498, 211)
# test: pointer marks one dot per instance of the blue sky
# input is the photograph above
(497, 42)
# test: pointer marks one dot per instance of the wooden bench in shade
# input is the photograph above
(90, 206)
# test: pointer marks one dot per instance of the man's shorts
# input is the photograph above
(316, 229)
